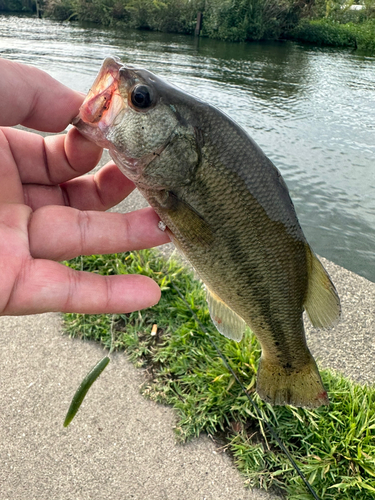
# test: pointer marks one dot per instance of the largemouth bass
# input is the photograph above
(228, 210)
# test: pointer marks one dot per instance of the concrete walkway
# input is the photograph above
(121, 446)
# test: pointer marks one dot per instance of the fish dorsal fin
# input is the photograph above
(224, 318)
(322, 303)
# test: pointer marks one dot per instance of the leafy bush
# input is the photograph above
(61, 10)
(97, 11)
(240, 20)
(365, 35)
(339, 10)
(162, 15)
(327, 32)
(176, 16)
(15, 6)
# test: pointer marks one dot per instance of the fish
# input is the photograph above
(227, 208)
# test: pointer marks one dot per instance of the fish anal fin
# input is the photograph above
(299, 387)
(224, 318)
(322, 302)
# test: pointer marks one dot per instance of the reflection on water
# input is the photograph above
(310, 109)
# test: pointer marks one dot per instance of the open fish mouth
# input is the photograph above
(103, 102)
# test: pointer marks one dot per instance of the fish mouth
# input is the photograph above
(103, 103)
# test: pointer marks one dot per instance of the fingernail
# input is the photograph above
(162, 226)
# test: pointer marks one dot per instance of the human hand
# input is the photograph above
(50, 212)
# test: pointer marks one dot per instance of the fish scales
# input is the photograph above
(228, 210)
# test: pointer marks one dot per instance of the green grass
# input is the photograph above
(334, 447)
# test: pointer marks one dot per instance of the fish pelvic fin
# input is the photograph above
(224, 318)
(322, 302)
(298, 387)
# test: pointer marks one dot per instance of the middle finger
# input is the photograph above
(61, 233)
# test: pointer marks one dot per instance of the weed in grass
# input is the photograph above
(334, 446)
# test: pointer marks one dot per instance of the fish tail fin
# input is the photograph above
(298, 387)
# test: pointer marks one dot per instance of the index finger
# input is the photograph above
(32, 98)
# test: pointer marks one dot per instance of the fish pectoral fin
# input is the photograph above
(224, 318)
(322, 302)
(189, 222)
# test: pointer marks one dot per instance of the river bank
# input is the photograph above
(333, 23)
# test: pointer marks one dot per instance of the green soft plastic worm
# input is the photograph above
(82, 390)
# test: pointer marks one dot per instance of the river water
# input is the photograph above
(311, 110)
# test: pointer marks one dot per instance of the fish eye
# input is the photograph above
(141, 97)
